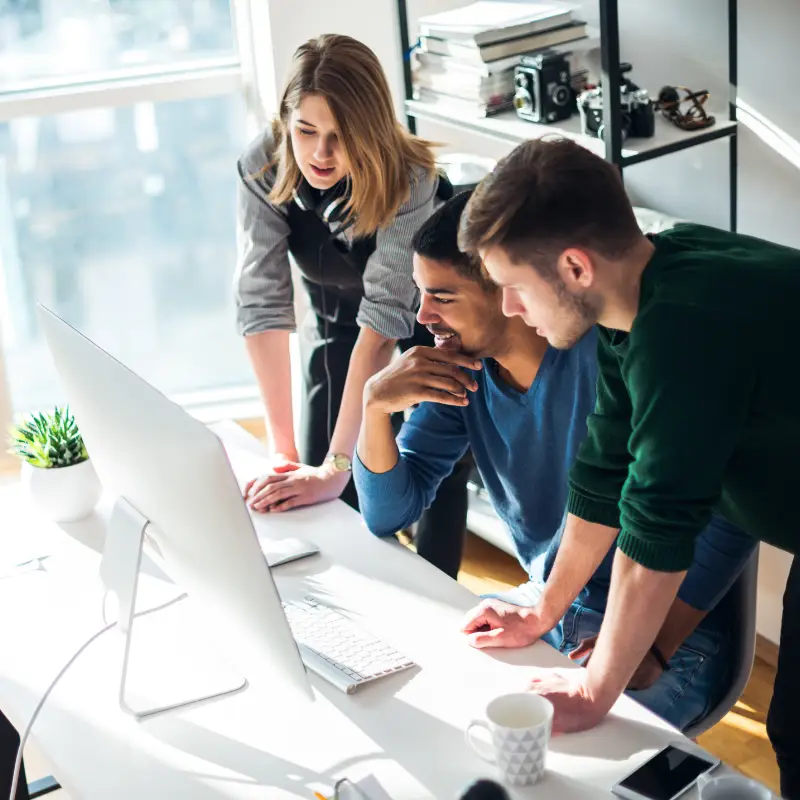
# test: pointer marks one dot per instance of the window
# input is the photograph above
(77, 40)
(120, 125)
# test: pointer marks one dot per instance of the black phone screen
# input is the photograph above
(666, 774)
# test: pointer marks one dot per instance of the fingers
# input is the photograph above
(288, 505)
(484, 639)
(584, 649)
(257, 484)
(439, 396)
(480, 617)
(273, 493)
(445, 383)
(454, 373)
(454, 357)
(248, 486)
(286, 466)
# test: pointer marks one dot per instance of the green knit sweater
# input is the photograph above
(698, 407)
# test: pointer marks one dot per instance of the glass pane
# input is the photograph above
(85, 38)
(123, 221)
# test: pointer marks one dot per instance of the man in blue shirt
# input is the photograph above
(493, 385)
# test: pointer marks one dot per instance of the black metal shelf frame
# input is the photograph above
(610, 81)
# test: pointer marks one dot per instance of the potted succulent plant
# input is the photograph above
(56, 468)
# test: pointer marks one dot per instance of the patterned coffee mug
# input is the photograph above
(519, 726)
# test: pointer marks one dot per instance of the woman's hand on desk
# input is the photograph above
(281, 463)
(298, 485)
(495, 623)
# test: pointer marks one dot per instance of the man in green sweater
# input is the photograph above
(698, 405)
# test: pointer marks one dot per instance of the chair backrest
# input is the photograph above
(743, 592)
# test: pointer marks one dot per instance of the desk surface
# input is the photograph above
(405, 732)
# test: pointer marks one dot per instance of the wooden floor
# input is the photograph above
(740, 739)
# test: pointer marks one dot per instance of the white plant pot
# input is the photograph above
(64, 494)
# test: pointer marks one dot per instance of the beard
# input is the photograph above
(579, 312)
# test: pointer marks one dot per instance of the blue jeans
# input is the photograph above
(698, 676)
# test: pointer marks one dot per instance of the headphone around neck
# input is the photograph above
(330, 206)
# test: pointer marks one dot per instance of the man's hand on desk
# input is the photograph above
(495, 623)
(575, 708)
(647, 673)
(298, 485)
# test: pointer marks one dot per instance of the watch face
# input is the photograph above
(341, 462)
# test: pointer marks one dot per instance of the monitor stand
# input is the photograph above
(168, 668)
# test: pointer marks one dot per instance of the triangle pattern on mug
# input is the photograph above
(521, 754)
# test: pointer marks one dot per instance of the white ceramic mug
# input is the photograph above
(519, 726)
(731, 787)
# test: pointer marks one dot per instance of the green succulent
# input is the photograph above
(48, 440)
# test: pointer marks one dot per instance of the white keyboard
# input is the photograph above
(338, 650)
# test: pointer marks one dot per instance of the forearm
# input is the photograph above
(583, 546)
(372, 352)
(269, 355)
(638, 602)
(377, 447)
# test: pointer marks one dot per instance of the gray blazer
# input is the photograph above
(263, 284)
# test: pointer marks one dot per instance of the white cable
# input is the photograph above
(24, 737)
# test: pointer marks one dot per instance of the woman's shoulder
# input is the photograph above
(259, 153)
(423, 185)
(256, 165)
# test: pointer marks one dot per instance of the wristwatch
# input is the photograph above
(340, 461)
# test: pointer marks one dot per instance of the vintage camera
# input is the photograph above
(637, 114)
(543, 88)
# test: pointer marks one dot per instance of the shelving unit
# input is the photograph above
(508, 127)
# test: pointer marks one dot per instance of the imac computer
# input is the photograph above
(178, 499)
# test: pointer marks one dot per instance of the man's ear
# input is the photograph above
(576, 269)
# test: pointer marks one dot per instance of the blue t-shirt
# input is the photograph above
(523, 444)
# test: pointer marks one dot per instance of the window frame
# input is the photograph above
(249, 73)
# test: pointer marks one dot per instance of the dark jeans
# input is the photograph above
(9, 742)
(442, 528)
(784, 710)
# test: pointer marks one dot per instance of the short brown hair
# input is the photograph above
(548, 195)
(383, 157)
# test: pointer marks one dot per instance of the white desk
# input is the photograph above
(406, 731)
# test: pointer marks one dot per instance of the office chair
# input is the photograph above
(743, 603)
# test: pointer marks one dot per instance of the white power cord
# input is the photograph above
(24, 737)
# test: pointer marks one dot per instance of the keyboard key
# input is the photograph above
(353, 652)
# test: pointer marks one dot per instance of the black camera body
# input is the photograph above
(543, 88)
(637, 114)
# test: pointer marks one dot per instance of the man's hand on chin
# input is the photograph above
(574, 707)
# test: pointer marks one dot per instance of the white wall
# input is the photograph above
(373, 22)
(769, 189)
(690, 39)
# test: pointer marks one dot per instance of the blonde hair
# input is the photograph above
(380, 153)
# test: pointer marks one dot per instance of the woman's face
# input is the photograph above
(315, 142)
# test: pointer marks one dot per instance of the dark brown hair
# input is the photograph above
(381, 154)
(548, 195)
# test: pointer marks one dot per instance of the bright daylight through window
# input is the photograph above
(120, 125)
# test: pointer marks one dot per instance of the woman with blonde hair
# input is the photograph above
(341, 187)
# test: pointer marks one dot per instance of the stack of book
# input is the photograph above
(466, 57)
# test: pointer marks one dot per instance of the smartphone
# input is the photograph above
(666, 775)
